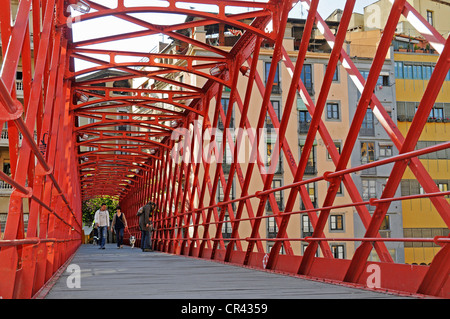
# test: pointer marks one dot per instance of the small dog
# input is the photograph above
(132, 241)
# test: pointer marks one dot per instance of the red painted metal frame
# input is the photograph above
(28, 259)
(157, 161)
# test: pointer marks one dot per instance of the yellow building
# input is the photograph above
(420, 218)
(414, 61)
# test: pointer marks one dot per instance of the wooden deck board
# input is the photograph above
(132, 274)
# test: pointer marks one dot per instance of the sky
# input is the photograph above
(112, 25)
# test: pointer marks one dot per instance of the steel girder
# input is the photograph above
(138, 143)
(43, 165)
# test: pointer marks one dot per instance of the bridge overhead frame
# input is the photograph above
(52, 174)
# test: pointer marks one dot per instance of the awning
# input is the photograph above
(303, 140)
(301, 105)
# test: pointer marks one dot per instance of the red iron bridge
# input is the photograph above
(90, 120)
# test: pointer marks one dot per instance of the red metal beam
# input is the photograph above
(152, 165)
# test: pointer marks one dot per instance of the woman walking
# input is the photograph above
(119, 223)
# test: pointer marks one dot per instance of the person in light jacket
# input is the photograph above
(118, 224)
(101, 220)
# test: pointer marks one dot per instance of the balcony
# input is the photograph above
(372, 171)
(5, 188)
(19, 88)
(303, 127)
(4, 138)
(310, 169)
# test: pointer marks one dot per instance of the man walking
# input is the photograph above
(101, 220)
(145, 225)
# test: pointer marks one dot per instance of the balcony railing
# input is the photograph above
(5, 188)
(19, 86)
(369, 171)
(4, 137)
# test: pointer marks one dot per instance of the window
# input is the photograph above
(369, 189)
(7, 171)
(225, 158)
(7, 167)
(304, 246)
(368, 156)
(427, 70)
(270, 149)
(276, 88)
(277, 109)
(220, 125)
(367, 126)
(336, 222)
(423, 233)
(408, 71)
(417, 72)
(385, 224)
(367, 152)
(399, 70)
(307, 229)
(336, 73)
(221, 195)
(311, 188)
(385, 150)
(340, 188)
(306, 77)
(304, 121)
(338, 251)
(437, 113)
(123, 117)
(333, 111)
(311, 165)
(227, 229)
(430, 17)
(270, 245)
(410, 187)
(276, 183)
(383, 80)
(338, 148)
(278, 195)
(443, 186)
(272, 228)
(19, 81)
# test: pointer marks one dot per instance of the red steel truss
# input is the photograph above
(69, 141)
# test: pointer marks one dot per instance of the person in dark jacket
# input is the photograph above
(145, 225)
(119, 224)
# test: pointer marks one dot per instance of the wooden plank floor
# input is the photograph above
(132, 274)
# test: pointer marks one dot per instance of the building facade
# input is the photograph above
(373, 143)
(413, 60)
(420, 217)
